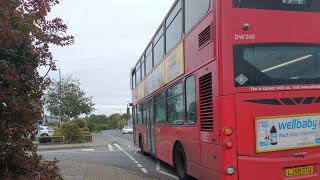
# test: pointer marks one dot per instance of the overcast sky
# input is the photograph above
(110, 36)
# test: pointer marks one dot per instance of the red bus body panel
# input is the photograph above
(206, 155)
(268, 26)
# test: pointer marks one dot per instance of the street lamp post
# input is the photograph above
(60, 98)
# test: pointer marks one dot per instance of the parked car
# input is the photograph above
(127, 130)
(45, 131)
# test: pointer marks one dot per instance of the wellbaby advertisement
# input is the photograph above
(288, 132)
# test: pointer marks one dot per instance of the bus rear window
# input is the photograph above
(286, 5)
(276, 64)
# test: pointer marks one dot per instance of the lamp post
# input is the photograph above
(128, 111)
(60, 98)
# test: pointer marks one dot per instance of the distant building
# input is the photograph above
(49, 119)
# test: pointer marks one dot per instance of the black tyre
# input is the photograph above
(179, 160)
(141, 147)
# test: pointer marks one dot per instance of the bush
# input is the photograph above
(85, 129)
(103, 127)
(57, 139)
(44, 139)
(81, 123)
(53, 124)
(93, 127)
(72, 133)
(58, 132)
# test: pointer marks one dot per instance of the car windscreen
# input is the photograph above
(276, 64)
(285, 5)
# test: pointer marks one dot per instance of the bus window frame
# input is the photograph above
(167, 25)
(185, 99)
(183, 102)
(165, 107)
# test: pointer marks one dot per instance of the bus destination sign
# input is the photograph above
(288, 132)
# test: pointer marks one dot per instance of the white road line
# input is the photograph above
(120, 148)
(173, 176)
(87, 150)
(158, 166)
(110, 147)
(134, 160)
(144, 170)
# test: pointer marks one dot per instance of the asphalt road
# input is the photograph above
(119, 153)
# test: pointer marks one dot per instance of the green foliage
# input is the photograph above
(67, 99)
(85, 129)
(57, 139)
(81, 123)
(53, 124)
(71, 133)
(93, 127)
(103, 127)
(57, 132)
(44, 139)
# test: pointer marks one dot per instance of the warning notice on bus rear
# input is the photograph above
(287, 132)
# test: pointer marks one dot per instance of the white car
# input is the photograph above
(127, 130)
(45, 131)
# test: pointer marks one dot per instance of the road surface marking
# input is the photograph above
(168, 174)
(110, 147)
(87, 150)
(120, 148)
(144, 170)
(173, 176)
(158, 166)
(134, 160)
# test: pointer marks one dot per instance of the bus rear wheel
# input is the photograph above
(179, 160)
(141, 146)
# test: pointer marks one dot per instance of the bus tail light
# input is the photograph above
(228, 131)
(230, 170)
(228, 144)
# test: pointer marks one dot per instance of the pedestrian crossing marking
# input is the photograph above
(87, 150)
(110, 147)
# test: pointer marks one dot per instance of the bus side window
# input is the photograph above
(175, 106)
(191, 100)
(139, 114)
(159, 108)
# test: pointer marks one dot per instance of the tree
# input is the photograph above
(66, 99)
(115, 120)
(25, 36)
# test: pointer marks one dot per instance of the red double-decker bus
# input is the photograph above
(230, 89)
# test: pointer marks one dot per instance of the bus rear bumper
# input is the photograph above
(279, 168)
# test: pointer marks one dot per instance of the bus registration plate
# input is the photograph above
(296, 171)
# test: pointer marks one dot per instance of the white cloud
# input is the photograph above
(109, 38)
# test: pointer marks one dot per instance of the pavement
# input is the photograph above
(73, 146)
(73, 170)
